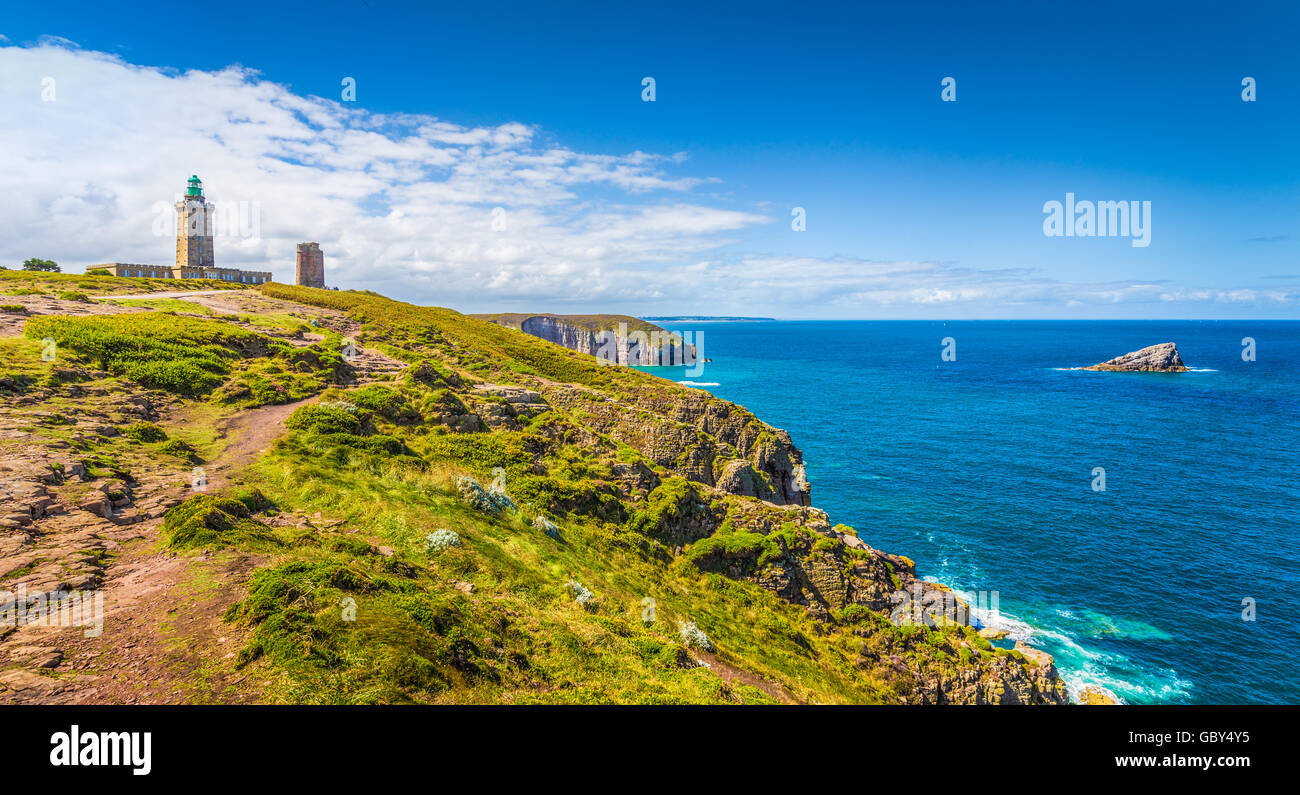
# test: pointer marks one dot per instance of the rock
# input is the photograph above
(98, 506)
(27, 682)
(463, 587)
(1162, 358)
(739, 477)
(989, 633)
(853, 542)
(386, 551)
(1036, 656)
(1096, 697)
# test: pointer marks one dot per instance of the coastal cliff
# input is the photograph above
(616, 339)
(403, 504)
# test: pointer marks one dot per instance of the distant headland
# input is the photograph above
(703, 319)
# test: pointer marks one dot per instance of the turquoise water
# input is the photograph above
(981, 470)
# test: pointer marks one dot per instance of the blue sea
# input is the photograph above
(983, 471)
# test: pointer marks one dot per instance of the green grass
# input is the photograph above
(163, 305)
(37, 283)
(543, 646)
(193, 356)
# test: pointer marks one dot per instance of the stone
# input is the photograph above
(739, 477)
(1162, 358)
(1096, 697)
(989, 633)
(1037, 656)
(27, 682)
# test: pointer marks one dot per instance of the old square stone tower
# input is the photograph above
(311, 265)
(194, 228)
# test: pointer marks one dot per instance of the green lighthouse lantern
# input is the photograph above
(195, 187)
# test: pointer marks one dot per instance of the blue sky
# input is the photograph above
(915, 207)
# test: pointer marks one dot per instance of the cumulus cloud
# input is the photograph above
(425, 209)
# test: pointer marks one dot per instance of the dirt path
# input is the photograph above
(163, 639)
(733, 675)
(252, 433)
(147, 296)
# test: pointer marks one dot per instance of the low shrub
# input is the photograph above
(180, 449)
(439, 540)
(481, 499)
(205, 521)
(324, 419)
(145, 432)
(694, 636)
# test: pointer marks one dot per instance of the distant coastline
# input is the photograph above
(702, 319)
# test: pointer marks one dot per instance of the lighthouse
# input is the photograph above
(194, 230)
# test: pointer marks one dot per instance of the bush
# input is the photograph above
(694, 636)
(13, 308)
(547, 526)
(97, 272)
(439, 540)
(323, 418)
(73, 295)
(581, 593)
(145, 432)
(207, 521)
(486, 500)
(384, 401)
(179, 449)
(253, 499)
(351, 546)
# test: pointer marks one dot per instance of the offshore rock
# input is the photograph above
(1162, 358)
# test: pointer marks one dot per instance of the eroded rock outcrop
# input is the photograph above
(698, 436)
(614, 339)
(1162, 358)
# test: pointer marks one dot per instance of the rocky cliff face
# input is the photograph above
(1162, 358)
(614, 339)
(697, 436)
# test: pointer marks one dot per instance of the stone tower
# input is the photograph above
(311, 265)
(194, 228)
